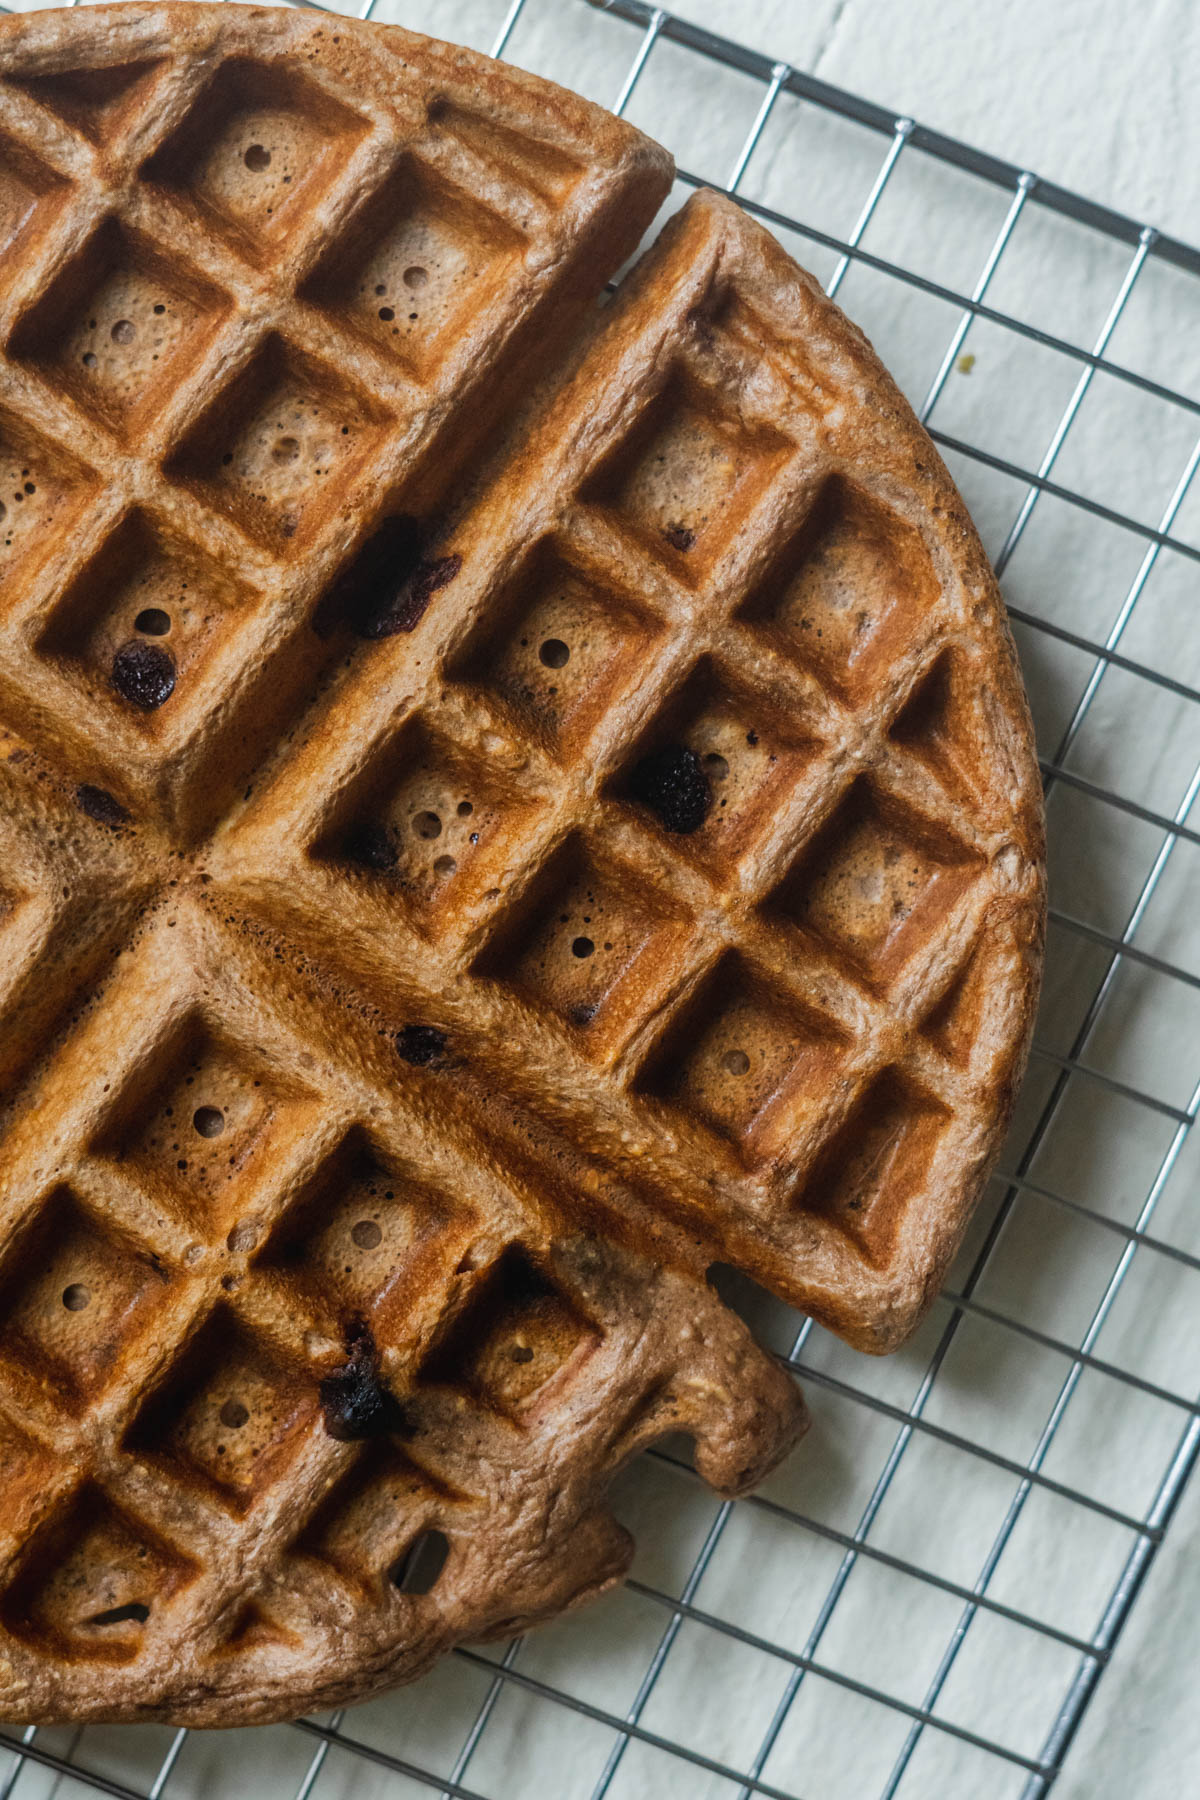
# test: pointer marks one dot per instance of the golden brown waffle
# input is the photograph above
(476, 856)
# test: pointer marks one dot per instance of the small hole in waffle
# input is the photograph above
(74, 1300)
(554, 654)
(224, 1372)
(426, 822)
(153, 621)
(42, 489)
(134, 1612)
(86, 1584)
(422, 1564)
(163, 1127)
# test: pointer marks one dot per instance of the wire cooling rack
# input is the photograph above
(925, 1598)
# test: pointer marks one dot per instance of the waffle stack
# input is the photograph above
(510, 806)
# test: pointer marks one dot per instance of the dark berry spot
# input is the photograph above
(388, 587)
(143, 674)
(354, 1400)
(100, 805)
(582, 1015)
(409, 610)
(680, 537)
(421, 1045)
(672, 783)
(372, 583)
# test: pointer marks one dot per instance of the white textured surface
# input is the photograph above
(1099, 98)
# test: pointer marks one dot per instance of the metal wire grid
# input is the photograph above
(1061, 1065)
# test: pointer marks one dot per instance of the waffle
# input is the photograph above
(511, 807)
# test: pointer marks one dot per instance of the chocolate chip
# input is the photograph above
(409, 607)
(680, 537)
(672, 783)
(354, 1400)
(100, 805)
(387, 587)
(370, 846)
(421, 1044)
(373, 580)
(143, 674)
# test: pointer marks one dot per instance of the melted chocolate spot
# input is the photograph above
(387, 586)
(409, 607)
(100, 805)
(354, 1400)
(371, 847)
(672, 783)
(373, 581)
(680, 537)
(143, 674)
(421, 1044)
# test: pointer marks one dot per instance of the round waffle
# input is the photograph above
(509, 805)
